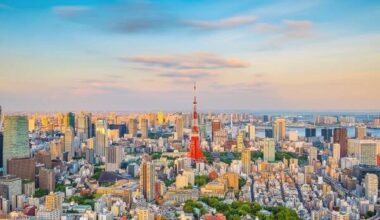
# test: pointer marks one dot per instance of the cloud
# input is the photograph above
(91, 87)
(198, 60)
(230, 22)
(287, 31)
(70, 11)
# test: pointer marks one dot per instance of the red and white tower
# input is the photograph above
(195, 153)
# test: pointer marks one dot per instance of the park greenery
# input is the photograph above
(237, 209)
(201, 180)
(60, 187)
(40, 193)
(97, 172)
(85, 199)
(228, 157)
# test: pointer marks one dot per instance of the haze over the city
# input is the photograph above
(145, 55)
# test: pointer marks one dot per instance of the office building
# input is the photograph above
(310, 132)
(336, 151)
(340, 136)
(216, 125)
(47, 179)
(84, 128)
(53, 201)
(28, 188)
(16, 140)
(179, 127)
(368, 152)
(132, 127)
(144, 128)
(12, 184)
(279, 129)
(160, 118)
(360, 132)
(327, 133)
(246, 161)
(69, 120)
(56, 150)
(269, 133)
(371, 183)
(114, 156)
(69, 142)
(25, 168)
(101, 141)
(240, 141)
(48, 214)
(269, 150)
(44, 157)
(251, 132)
(147, 179)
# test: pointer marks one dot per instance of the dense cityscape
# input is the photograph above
(189, 110)
(181, 165)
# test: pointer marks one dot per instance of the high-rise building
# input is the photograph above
(368, 152)
(269, 150)
(336, 151)
(310, 132)
(69, 120)
(216, 125)
(114, 156)
(69, 141)
(179, 127)
(313, 155)
(44, 157)
(160, 118)
(47, 179)
(16, 140)
(13, 185)
(55, 147)
(144, 128)
(84, 126)
(1, 117)
(279, 129)
(251, 132)
(195, 152)
(269, 133)
(25, 168)
(1, 151)
(327, 133)
(101, 141)
(360, 132)
(246, 161)
(147, 178)
(53, 201)
(240, 141)
(340, 136)
(132, 127)
(371, 182)
(31, 124)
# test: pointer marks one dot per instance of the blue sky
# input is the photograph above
(145, 55)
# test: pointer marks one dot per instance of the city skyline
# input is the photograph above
(145, 56)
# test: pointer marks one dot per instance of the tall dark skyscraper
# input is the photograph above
(326, 133)
(269, 133)
(310, 132)
(340, 137)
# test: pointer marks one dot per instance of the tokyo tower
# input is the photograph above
(195, 152)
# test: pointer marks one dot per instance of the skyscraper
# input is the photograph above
(269, 150)
(84, 126)
(16, 140)
(147, 180)
(246, 161)
(371, 187)
(179, 127)
(101, 137)
(69, 120)
(47, 179)
(336, 151)
(251, 132)
(240, 141)
(340, 136)
(310, 132)
(216, 125)
(144, 128)
(114, 156)
(360, 132)
(160, 118)
(132, 127)
(195, 153)
(327, 133)
(69, 141)
(279, 129)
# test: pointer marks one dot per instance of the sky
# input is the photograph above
(109, 55)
